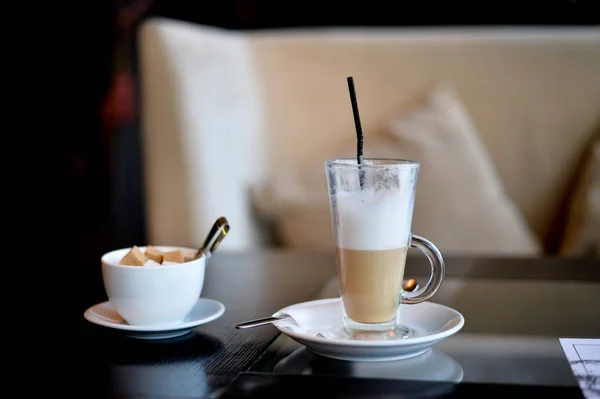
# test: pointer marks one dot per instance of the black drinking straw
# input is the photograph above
(359, 132)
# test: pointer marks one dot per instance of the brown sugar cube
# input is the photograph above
(175, 256)
(135, 257)
(154, 254)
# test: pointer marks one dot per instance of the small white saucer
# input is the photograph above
(205, 310)
(318, 322)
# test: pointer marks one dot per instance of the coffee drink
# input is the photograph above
(372, 241)
(371, 282)
(371, 207)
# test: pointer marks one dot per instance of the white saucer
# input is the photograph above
(318, 322)
(205, 310)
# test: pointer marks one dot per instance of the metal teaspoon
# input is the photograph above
(408, 285)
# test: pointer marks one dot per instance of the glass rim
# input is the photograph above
(352, 163)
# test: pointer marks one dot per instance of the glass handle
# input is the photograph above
(437, 271)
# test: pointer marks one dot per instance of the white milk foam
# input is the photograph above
(374, 219)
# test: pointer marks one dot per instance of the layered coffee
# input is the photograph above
(372, 241)
(371, 282)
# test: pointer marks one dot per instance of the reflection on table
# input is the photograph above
(430, 366)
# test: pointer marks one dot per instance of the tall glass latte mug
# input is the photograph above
(371, 212)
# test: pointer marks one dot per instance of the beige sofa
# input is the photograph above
(239, 123)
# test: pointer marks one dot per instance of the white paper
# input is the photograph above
(584, 357)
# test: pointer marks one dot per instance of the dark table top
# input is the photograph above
(515, 311)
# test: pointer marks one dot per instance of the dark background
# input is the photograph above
(97, 163)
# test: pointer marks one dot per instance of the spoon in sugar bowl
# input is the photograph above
(407, 285)
(216, 234)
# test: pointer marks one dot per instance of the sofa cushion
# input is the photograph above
(581, 235)
(460, 202)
